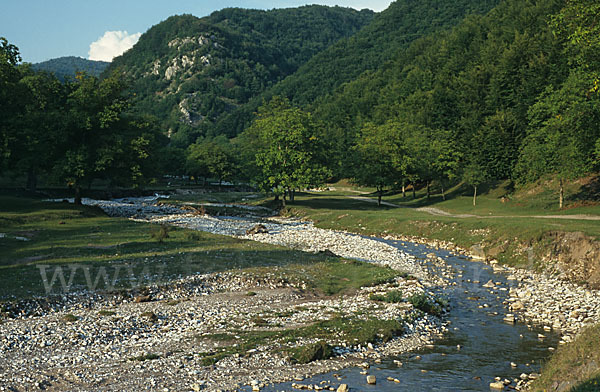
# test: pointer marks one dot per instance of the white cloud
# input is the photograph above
(112, 44)
(375, 5)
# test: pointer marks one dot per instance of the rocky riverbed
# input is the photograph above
(160, 338)
(538, 298)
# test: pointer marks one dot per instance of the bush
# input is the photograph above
(145, 357)
(312, 352)
(150, 316)
(391, 297)
(193, 236)
(162, 233)
(70, 318)
(421, 302)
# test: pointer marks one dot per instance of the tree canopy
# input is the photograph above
(290, 150)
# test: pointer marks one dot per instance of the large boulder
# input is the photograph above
(257, 229)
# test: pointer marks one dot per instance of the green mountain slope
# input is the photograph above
(475, 84)
(390, 31)
(67, 66)
(190, 71)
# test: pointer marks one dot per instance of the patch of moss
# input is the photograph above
(311, 352)
(70, 318)
(392, 297)
(145, 357)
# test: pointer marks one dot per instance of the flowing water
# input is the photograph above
(479, 347)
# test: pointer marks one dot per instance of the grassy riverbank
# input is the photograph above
(63, 241)
(526, 230)
(523, 229)
(575, 366)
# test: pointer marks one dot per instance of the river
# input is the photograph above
(479, 347)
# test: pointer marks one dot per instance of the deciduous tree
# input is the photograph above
(290, 154)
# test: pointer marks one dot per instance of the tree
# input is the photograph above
(208, 158)
(447, 160)
(578, 25)
(562, 132)
(496, 144)
(290, 154)
(94, 108)
(11, 97)
(434, 156)
(474, 175)
(101, 140)
(34, 151)
(379, 157)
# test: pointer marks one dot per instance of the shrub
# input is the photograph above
(392, 297)
(193, 236)
(150, 316)
(421, 302)
(145, 357)
(162, 233)
(70, 318)
(312, 352)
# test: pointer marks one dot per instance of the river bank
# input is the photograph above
(171, 339)
(215, 331)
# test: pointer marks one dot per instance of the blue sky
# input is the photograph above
(45, 29)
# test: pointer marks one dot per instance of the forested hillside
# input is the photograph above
(377, 43)
(512, 94)
(68, 66)
(419, 96)
(469, 89)
(190, 71)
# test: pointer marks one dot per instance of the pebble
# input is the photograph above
(35, 344)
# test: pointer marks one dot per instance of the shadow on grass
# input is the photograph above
(325, 201)
(335, 203)
(39, 279)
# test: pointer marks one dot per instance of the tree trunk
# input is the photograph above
(283, 199)
(77, 199)
(403, 191)
(293, 195)
(474, 195)
(443, 194)
(561, 193)
(31, 180)
(379, 194)
(428, 191)
(414, 192)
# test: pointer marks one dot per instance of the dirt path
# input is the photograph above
(438, 212)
